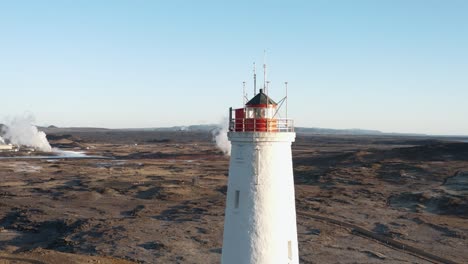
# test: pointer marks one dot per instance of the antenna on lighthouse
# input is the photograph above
(264, 71)
(267, 87)
(286, 85)
(244, 96)
(255, 79)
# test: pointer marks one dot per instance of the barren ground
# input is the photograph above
(159, 198)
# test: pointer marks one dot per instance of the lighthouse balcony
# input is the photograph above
(261, 125)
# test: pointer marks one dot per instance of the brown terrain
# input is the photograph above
(158, 197)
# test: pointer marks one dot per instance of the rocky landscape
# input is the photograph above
(158, 197)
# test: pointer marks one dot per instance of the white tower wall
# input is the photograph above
(260, 218)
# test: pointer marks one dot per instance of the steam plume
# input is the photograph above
(20, 131)
(2, 142)
(221, 139)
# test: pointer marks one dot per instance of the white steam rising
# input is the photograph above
(221, 138)
(2, 142)
(20, 131)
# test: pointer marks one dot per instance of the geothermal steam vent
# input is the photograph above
(260, 219)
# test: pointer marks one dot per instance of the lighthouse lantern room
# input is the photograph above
(260, 217)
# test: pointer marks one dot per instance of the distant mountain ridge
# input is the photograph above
(303, 130)
(214, 127)
(352, 131)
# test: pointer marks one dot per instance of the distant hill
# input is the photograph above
(197, 128)
(303, 130)
(352, 131)
(213, 127)
(56, 129)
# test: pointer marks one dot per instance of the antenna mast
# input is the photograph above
(286, 84)
(243, 93)
(255, 80)
(264, 71)
(267, 87)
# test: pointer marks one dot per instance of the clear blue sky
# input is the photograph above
(395, 66)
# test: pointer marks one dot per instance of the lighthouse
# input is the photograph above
(260, 217)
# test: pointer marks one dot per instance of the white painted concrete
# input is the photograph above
(260, 219)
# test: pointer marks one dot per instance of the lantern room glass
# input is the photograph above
(259, 112)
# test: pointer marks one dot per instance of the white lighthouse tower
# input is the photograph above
(260, 218)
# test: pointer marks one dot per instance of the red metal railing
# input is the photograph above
(261, 125)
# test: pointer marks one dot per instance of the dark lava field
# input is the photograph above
(158, 197)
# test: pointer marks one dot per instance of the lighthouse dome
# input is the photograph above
(261, 99)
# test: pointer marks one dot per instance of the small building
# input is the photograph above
(6, 147)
